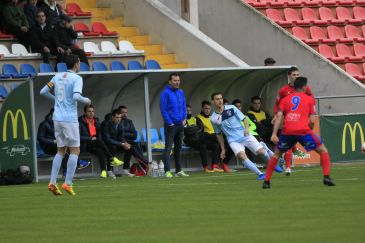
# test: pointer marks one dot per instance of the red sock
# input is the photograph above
(325, 163)
(270, 167)
(288, 156)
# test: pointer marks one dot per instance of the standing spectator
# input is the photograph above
(269, 61)
(52, 10)
(30, 11)
(44, 39)
(173, 111)
(15, 22)
(92, 142)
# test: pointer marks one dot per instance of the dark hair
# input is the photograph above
(300, 82)
(71, 61)
(173, 74)
(122, 107)
(51, 111)
(40, 11)
(115, 112)
(206, 102)
(269, 60)
(216, 93)
(188, 106)
(256, 97)
(87, 107)
(235, 101)
(292, 69)
(225, 101)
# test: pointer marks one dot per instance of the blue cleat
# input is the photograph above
(83, 164)
(278, 169)
(261, 177)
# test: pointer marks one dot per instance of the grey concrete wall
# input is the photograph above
(252, 37)
(174, 5)
(178, 36)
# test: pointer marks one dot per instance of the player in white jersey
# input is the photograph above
(67, 87)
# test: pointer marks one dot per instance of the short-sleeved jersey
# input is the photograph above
(229, 122)
(65, 84)
(297, 108)
(285, 91)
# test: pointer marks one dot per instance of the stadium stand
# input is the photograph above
(84, 67)
(73, 9)
(117, 66)
(61, 67)
(27, 69)
(3, 92)
(10, 69)
(152, 64)
(134, 65)
(99, 66)
(19, 49)
(45, 68)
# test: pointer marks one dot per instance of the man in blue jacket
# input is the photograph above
(173, 111)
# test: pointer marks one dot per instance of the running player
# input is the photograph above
(67, 88)
(297, 111)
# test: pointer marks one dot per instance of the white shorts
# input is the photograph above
(251, 143)
(67, 134)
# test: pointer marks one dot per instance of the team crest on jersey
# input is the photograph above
(226, 114)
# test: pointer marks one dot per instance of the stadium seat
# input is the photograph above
(10, 69)
(335, 33)
(152, 64)
(61, 67)
(359, 50)
(6, 53)
(162, 132)
(4, 76)
(128, 47)
(138, 138)
(292, 16)
(293, 3)
(27, 69)
(100, 28)
(354, 71)
(5, 36)
(117, 66)
(109, 47)
(45, 68)
(300, 33)
(320, 35)
(74, 9)
(327, 15)
(19, 49)
(81, 27)
(314, 3)
(99, 66)
(327, 52)
(346, 52)
(352, 32)
(275, 16)
(153, 133)
(3, 92)
(311, 16)
(345, 16)
(329, 2)
(84, 67)
(91, 47)
(345, 2)
(134, 65)
(359, 13)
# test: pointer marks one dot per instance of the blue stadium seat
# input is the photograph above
(10, 69)
(153, 134)
(3, 92)
(134, 65)
(61, 67)
(117, 66)
(45, 68)
(27, 69)
(152, 64)
(4, 76)
(84, 67)
(138, 138)
(162, 132)
(99, 66)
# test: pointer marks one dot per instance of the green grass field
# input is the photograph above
(201, 208)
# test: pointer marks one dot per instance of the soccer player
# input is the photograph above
(228, 119)
(297, 111)
(67, 88)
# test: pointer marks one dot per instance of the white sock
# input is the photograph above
(251, 166)
(71, 168)
(56, 164)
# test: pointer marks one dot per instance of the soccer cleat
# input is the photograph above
(207, 170)
(261, 177)
(168, 174)
(287, 171)
(103, 174)
(278, 169)
(54, 189)
(226, 168)
(111, 174)
(181, 174)
(83, 164)
(266, 185)
(328, 181)
(299, 153)
(68, 189)
(116, 162)
(215, 168)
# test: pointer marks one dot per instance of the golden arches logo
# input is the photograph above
(357, 126)
(14, 124)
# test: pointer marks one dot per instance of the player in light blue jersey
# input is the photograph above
(67, 87)
(228, 119)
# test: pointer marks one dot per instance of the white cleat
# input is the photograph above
(287, 171)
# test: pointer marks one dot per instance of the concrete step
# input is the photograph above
(136, 40)
(174, 66)
(150, 49)
(110, 22)
(99, 12)
(125, 31)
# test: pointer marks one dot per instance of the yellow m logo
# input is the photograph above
(14, 124)
(352, 130)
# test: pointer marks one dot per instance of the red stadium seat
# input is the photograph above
(327, 15)
(345, 15)
(292, 16)
(81, 27)
(300, 33)
(275, 16)
(352, 32)
(359, 50)
(327, 52)
(359, 13)
(278, 3)
(354, 71)
(100, 28)
(346, 52)
(329, 2)
(294, 3)
(5, 36)
(335, 33)
(345, 2)
(319, 35)
(74, 9)
(311, 3)
(311, 16)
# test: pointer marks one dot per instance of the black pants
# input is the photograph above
(23, 37)
(208, 144)
(59, 56)
(135, 150)
(173, 135)
(99, 148)
(229, 152)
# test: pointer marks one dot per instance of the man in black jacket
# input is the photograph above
(91, 141)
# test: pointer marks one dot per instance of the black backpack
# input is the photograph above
(15, 177)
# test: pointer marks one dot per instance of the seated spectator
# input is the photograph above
(15, 22)
(52, 10)
(30, 11)
(67, 37)
(44, 39)
(91, 141)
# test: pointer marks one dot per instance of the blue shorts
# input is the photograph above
(309, 141)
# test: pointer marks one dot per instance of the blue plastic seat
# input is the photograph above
(99, 66)
(134, 65)
(117, 66)
(152, 64)
(138, 138)
(162, 132)
(61, 67)
(84, 67)
(45, 68)
(4, 76)
(10, 69)
(28, 69)
(3, 92)
(153, 134)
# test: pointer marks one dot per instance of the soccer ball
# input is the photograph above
(24, 170)
(363, 148)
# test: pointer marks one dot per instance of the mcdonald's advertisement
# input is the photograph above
(343, 136)
(16, 145)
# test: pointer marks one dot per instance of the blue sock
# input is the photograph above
(251, 166)
(271, 153)
(71, 167)
(56, 164)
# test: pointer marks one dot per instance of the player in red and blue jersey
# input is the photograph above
(297, 110)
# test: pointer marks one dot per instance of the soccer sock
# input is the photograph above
(288, 157)
(325, 163)
(294, 148)
(251, 166)
(56, 164)
(71, 167)
(271, 167)
(271, 153)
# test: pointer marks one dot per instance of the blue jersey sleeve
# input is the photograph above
(78, 85)
(238, 114)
